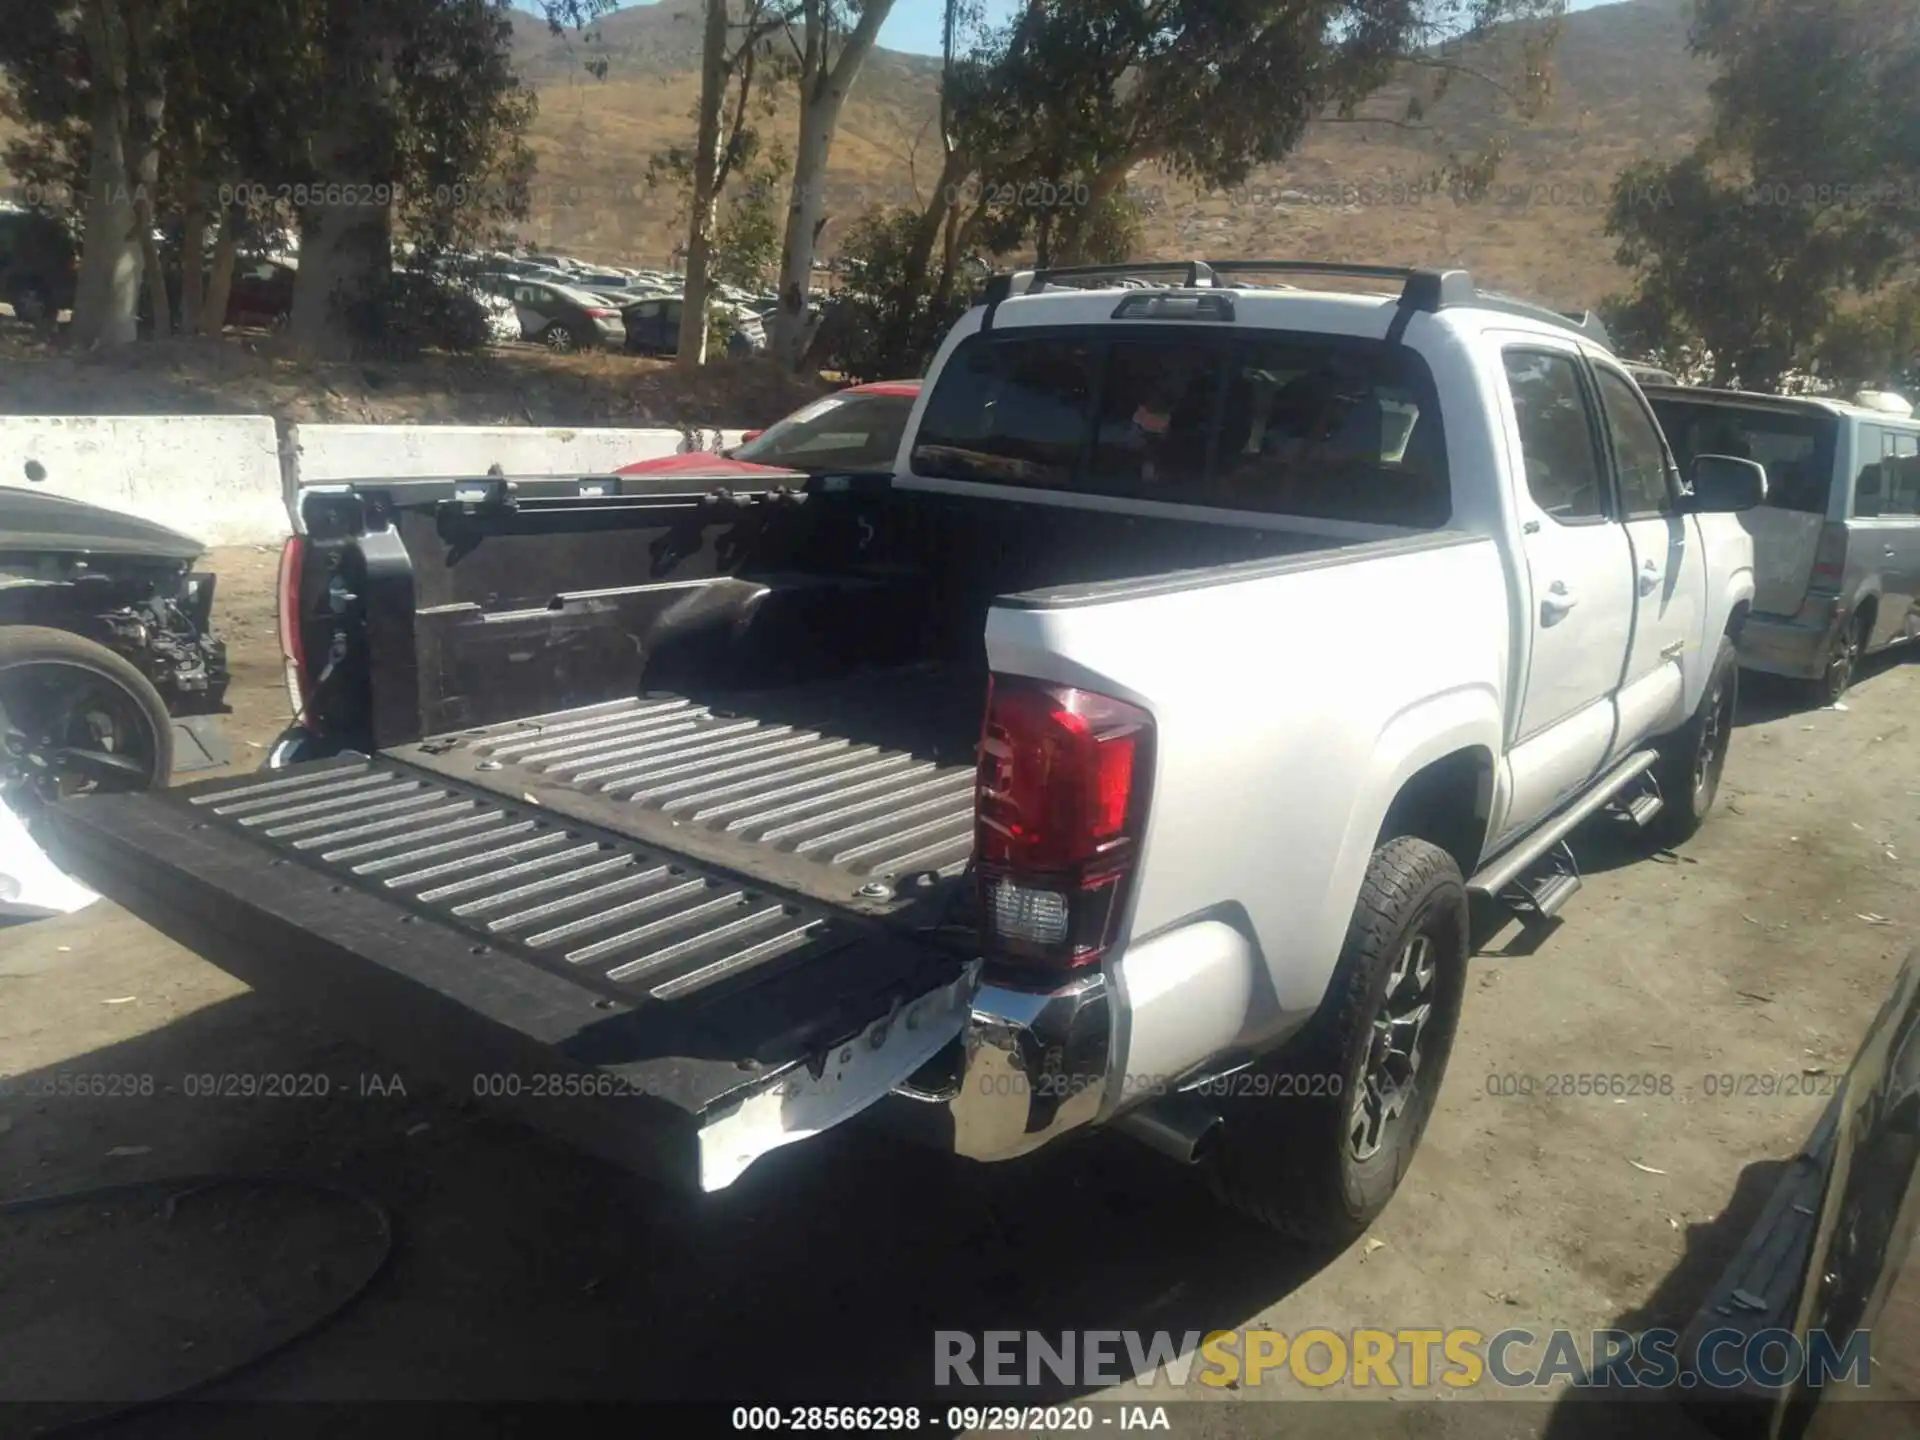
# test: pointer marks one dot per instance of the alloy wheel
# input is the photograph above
(1716, 734)
(1393, 1054)
(66, 731)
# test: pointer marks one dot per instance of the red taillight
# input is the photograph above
(293, 649)
(1830, 556)
(600, 314)
(1062, 786)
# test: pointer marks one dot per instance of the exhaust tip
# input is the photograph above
(1180, 1128)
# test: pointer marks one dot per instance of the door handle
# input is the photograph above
(1649, 577)
(1556, 603)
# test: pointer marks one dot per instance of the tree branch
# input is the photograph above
(853, 52)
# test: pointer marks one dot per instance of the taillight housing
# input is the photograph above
(1063, 780)
(293, 648)
(1829, 557)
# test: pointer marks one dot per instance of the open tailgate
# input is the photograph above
(664, 1014)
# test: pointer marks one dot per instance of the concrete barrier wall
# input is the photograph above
(214, 477)
(226, 480)
(322, 454)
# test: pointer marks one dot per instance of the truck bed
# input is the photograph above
(830, 789)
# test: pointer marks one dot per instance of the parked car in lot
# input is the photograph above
(447, 310)
(850, 432)
(653, 326)
(39, 264)
(1831, 1253)
(1128, 756)
(1837, 543)
(559, 316)
(261, 293)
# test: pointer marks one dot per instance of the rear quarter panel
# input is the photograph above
(1289, 709)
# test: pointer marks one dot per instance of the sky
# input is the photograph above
(914, 25)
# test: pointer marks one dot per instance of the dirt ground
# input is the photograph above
(523, 1271)
(250, 373)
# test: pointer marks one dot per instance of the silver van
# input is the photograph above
(1837, 543)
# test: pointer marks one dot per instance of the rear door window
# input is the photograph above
(1639, 458)
(1559, 442)
(1900, 472)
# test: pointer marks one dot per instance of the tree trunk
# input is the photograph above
(143, 165)
(193, 236)
(193, 255)
(107, 294)
(706, 189)
(213, 310)
(822, 94)
(346, 249)
(953, 174)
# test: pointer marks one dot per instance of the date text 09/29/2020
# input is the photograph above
(906, 1419)
(1254, 1084)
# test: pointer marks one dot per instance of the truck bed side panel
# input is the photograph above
(1289, 707)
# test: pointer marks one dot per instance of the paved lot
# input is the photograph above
(521, 1270)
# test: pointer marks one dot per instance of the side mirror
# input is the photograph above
(1725, 484)
(746, 435)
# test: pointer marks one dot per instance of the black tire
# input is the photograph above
(1693, 757)
(1842, 662)
(45, 659)
(560, 339)
(1289, 1151)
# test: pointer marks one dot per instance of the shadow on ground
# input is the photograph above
(524, 1271)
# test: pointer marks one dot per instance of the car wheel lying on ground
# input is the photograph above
(1031, 784)
(106, 652)
(76, 718)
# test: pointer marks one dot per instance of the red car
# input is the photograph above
(850, 430)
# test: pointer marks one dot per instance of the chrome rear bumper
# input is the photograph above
(1033, 1066)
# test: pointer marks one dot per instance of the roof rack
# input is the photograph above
(1421, 291)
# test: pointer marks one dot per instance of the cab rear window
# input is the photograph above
(1288, 424)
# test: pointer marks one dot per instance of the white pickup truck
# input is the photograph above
(1128, 757)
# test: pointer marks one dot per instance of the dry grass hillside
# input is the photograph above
(1624, 86)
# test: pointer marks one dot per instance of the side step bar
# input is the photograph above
(1500, 874)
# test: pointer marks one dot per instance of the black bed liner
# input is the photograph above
(468, 935)
(856, 791)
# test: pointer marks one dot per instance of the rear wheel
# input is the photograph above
(1694, 756)
(1842, 660)
(76, 718)
(1315, 1142)
(561, 339)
